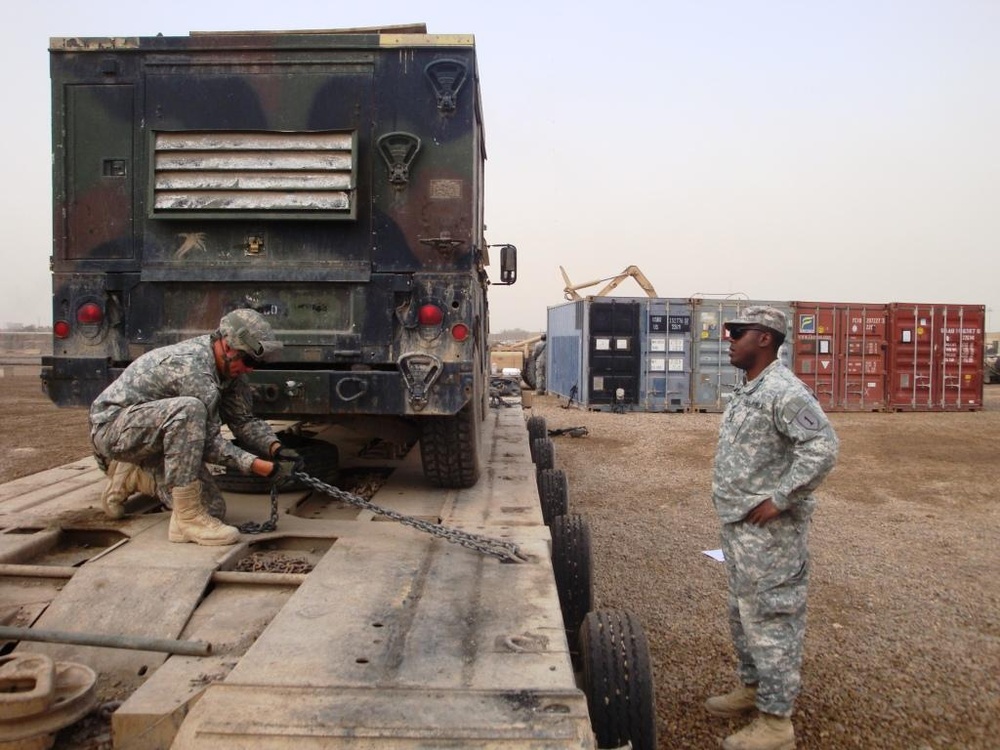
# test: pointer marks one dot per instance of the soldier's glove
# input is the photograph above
(282, 471)
(285, 453)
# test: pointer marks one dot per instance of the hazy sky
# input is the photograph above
(838, 150)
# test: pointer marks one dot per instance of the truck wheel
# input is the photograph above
(450, 447)
(573, 568)
(618, 680)
(528, 371)
(537, 428)
(321, 459)
(543, 453)
(553, 494)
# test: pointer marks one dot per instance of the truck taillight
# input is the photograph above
(90, 314)
(460, 332)
(60, 329)
(430, 315)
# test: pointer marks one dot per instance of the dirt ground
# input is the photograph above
(903, 635)
(903, 641)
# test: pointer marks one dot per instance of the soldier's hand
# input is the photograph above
(763, 513)
(281, 471)
(284, 453)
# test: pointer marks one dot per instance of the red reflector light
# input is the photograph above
(430, 315)
(60, 329)
(89, 313)
(460, 332)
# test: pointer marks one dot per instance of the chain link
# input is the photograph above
(498, 548)
(252, 527)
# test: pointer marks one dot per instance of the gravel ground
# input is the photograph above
(903, 642)
(903, 638)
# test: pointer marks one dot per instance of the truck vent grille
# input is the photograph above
(218, 173)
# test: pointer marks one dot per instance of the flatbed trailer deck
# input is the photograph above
(394, 639)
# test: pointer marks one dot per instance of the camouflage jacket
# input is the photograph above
(774, 442)
(188, 369)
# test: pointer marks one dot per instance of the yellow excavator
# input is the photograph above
(571, 290)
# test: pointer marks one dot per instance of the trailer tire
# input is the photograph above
(537, 428)
(543, 453)
(450, 448)
(574, 573)
(553, 494)
(321, 460)
(618, 680)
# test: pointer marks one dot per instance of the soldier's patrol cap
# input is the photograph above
(760, 315)
(248, 331)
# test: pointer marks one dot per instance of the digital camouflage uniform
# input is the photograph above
(774, 442)
(165, 413)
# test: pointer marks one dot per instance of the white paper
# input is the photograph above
(715, 554)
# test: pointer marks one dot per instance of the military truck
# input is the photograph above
(332, 181)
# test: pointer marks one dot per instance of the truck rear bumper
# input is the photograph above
(290, 394)
(76, 381)
(316, 393)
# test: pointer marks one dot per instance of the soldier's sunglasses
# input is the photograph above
(737, 333)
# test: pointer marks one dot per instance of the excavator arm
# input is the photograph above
(571, 290)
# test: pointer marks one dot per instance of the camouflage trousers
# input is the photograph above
(167, 439)
(768, 570)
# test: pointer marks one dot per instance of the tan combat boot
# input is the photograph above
(190, 523)
(736, 702)
(124, 480)
(766, 732)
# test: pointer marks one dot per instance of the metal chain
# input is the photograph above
(498, 548)
(252, 527)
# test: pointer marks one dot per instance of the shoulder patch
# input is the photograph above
(804, 412)
(808, 419)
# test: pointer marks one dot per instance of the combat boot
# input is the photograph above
(766, 732)
(124, 480)
(190, 523)
(736, 702)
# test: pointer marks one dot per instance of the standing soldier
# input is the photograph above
(156, 426)
(775, 447)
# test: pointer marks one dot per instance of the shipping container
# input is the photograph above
(935, 359)
(713, 378)
(666, 355)
(840, 353)
(623, 353)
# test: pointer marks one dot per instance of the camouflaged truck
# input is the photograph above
(332, 181)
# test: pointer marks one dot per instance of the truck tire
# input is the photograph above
(321, 460)
(618, 680)
(450, 448)
(537, 428)
(574, 573)
(528, 371)
(543, 453)
(553, 494)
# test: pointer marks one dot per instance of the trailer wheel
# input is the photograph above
(450, 447)
(618, 680)
(553, 494)
(537, 428)
(573, 568)
(321, 459)
(544, 453)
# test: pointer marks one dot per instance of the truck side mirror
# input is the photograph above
(508, 264)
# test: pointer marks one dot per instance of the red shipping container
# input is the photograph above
(935, 357)
(840, 353)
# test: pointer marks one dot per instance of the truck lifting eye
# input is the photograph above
(430, 315)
